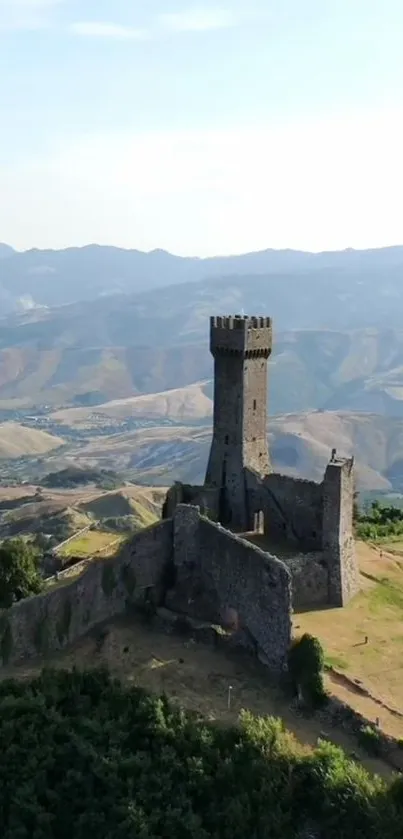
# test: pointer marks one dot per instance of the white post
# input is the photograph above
(229, 697)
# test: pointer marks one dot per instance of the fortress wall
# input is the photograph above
(338, 538)
(293, 508)
(309, 580)
(148, 552)
(192, 594)
(61, 615)
(251, 583)
(205, 497)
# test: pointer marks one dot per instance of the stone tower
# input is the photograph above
(241, 347)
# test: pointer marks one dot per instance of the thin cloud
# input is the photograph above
(197, 20)
(26, 14)
(32, 5)
(98, 29)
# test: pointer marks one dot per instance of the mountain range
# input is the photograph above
(47, 362)
(53, 278)
(107, 350)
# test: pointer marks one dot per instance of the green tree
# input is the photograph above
(84, 755)
(19, 571)
(41, 542)
(306, 665)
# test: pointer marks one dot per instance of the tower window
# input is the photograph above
(226, 439)
(254, 404)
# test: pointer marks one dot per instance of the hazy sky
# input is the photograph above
(201, 127)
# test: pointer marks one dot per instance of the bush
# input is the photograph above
(369, 739)
(379, 522)
(19, 571)
(84, 756)
(74, 476)
(306, 663)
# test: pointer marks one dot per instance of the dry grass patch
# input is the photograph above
(376, 614)
(91, 543)
(392, 546)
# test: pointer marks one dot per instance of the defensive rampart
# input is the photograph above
(189, 563)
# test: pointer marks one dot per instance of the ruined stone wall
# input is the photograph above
(204, 497)
(218, 572)
(48, 622)
(292, 508)
(309, 580)
(251, 582)
(173, 497)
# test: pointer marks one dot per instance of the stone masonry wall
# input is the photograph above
(51, 621)
(191, 595)
(294, 506)
(309, 580)
(338, 540)
(251, 582)
(218, 572)
(205, 497)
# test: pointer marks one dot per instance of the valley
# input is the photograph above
(123, 381)
(99, 519)
(157, 449)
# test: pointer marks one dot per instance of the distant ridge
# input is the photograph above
(6, 250)
(57, 277)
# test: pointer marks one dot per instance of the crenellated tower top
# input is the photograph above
(239, 334)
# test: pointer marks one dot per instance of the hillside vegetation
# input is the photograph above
(61, 514)
(380, 523)
(138, 766)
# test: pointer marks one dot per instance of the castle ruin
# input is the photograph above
(248, 548)
(307, 525)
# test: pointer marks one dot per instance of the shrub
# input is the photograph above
(306, 663)
(369, 738)
(82, 756)
(19, 571)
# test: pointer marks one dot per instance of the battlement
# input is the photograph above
(240, 334)
(242, 322)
